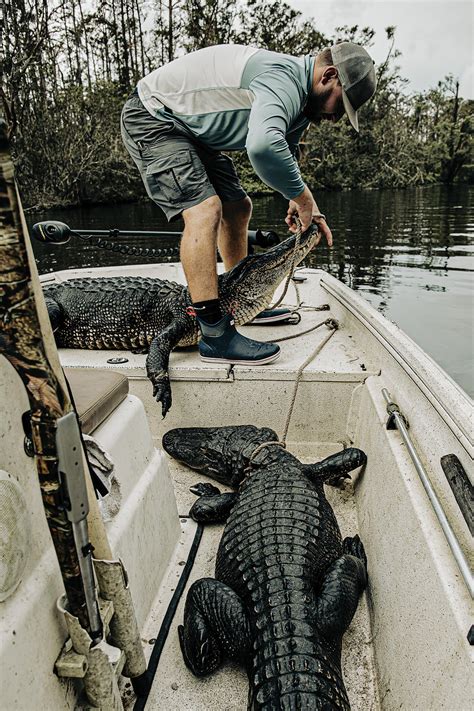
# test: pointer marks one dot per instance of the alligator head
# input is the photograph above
(222, 453)
(249, 287)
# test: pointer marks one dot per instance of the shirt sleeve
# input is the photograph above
(277, 105)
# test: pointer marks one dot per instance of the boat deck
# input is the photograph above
(195, 386)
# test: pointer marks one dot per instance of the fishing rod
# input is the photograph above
(55, 232)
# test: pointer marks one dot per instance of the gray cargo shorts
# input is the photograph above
(177, 171)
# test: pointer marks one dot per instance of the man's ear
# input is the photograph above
(328, 74)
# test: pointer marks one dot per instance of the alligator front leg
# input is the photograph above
(342, 586)
(212, 506)
(157, 363)
(335, 468)
(55, 312)
(215, 626)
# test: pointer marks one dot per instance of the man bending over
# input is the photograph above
(224, 98)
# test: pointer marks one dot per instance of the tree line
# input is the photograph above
(67, 66)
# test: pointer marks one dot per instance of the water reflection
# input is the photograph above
(409, 252)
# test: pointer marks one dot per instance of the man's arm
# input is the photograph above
(277, 105)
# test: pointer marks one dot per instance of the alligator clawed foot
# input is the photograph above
(162, 393)
(204, 489)
(354, 546)
(338, 480)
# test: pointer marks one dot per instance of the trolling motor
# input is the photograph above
(55, 232)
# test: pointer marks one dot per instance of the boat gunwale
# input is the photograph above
(412, 358)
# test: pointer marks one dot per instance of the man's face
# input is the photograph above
(326, 103)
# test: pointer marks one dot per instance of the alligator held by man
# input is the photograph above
(286, 585)
(153, 315)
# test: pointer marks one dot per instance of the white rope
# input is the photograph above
(262, 446)
(333, 325)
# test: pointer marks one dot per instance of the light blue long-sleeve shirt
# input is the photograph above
(231, 97)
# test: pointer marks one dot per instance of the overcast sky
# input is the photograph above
(434, 36)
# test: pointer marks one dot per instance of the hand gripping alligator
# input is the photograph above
(286, 585)
(151, 315)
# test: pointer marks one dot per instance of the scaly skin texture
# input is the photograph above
(149, 315)
(286, 585)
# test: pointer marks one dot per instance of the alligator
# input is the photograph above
(286, 585)
(154, 316)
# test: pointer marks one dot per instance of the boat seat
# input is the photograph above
(96, 394)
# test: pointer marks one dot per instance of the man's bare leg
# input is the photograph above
(198, 248)
(232, 240)
(220, 342)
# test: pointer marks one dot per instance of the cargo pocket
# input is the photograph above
(176, 178)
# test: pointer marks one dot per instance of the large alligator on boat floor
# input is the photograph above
(151, 315)
(287, 585)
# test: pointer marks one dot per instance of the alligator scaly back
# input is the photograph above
(286, 585)
(113, 312)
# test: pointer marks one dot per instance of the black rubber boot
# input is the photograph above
(222, 343)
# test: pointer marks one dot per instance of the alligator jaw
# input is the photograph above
(249, 287)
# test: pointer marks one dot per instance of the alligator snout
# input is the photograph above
(219, 452)
(188, 446)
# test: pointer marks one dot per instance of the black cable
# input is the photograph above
(127, 249)
(168, 618)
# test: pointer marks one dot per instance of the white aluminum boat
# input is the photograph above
(407, 647)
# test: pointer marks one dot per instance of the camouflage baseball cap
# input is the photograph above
(357, 76)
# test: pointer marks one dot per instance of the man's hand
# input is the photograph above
(304, 206)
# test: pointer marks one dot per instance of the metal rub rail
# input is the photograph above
(459, 556)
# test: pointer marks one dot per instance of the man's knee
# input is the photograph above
(208, 211)
(237, 210)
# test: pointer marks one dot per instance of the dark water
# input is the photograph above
(410, 253)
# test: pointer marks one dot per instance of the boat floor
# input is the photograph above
(174, 686)
(325, 416)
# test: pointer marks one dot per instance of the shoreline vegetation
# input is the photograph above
(68, 66)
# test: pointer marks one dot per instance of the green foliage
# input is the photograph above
(276, 26)
(207, 22)
(75, 153)
(66, 69)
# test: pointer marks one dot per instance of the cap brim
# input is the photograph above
(351, 113)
